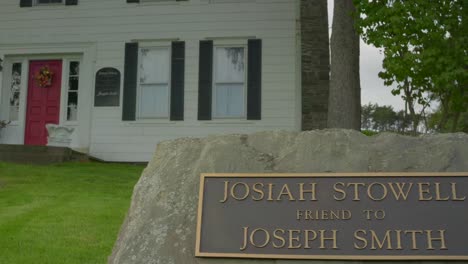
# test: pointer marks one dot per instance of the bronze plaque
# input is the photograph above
(364, 216)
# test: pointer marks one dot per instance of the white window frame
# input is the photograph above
(213, 97)
(154, 45)
(23, 88)
(65, 89)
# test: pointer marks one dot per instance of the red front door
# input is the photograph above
(43, 103)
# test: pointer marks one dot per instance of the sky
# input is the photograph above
(372, 87)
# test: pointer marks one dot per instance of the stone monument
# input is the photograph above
(160, 226)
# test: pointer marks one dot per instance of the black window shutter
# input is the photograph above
(254, 80)
(25, 3)
(205, 77)
(177, 80)
(130, 81)
(71, 2)
(133, 1)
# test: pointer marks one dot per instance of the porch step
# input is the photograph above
(38, 154)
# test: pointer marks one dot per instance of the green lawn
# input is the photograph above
(65, 213)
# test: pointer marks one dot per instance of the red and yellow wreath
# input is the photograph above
(44, 77)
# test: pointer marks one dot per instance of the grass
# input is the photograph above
(65, 213)
(369, 132)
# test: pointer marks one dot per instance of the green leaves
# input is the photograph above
(425, 48)
(383, 118)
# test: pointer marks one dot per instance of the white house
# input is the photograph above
(126, 74)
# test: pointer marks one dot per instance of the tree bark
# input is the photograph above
(344, 110)
(445, 113)
(410, 103)
(456, 119)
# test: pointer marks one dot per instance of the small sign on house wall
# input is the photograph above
(107, 89)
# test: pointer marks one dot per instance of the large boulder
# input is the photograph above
(160, 225)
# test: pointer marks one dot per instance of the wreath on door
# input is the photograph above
(44, 77)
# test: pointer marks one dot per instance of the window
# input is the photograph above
(72, 93)
(229, 82)
(154, 79)
(15, 88)
(149, 1)
(39, 2)
(230, 79)
(231, 1)
(30, 3)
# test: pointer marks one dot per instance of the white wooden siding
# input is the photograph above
(106, 25)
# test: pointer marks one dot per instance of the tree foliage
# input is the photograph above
(376, 118)
(434, 121)
(383, 118)
(425, 50)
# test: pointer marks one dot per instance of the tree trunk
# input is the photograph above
(414, 118)
(456, 119)
(344, 110)
(406, 117)
(410, 104)
(445, 113)
(423, 116)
